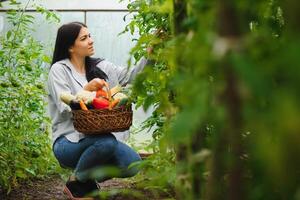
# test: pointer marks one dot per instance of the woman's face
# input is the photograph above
(83, 45)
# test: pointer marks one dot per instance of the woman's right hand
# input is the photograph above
(94, 84)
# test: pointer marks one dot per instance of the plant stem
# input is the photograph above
(14, 37)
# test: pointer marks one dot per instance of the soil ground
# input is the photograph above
(51, 189)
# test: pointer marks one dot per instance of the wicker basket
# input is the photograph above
(102, 121)
(97, 121)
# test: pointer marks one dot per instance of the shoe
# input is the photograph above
(76, 190)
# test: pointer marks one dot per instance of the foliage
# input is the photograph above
(152, 87)
(225, 87)
(25, 147)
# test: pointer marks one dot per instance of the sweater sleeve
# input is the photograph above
(126, 75)
(57, 83)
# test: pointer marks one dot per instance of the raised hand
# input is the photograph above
(94, 84)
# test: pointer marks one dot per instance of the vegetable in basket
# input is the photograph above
(101, 93)
(86, 100)
(100, 103)
(70, 100)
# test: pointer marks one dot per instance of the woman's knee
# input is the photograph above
(128, 160)
(134, 167)
(107, 144)
(63, 152)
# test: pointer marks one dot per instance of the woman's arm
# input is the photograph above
(126, 75)
(57, 84)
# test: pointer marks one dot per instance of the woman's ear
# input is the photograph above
(71, 50)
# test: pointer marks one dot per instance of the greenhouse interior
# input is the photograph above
(149, 99)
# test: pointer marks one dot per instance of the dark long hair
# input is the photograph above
(66, 36)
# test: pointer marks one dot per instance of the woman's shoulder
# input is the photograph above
(104, 63)
(106, 66)
(59, 69)
(59, 65)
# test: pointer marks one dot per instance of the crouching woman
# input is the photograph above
(73, 70)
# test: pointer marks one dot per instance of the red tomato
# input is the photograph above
(100, 103)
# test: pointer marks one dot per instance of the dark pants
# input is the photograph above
(98, 157)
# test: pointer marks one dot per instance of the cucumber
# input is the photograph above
(122, 102)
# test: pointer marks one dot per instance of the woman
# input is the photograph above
(74, 70)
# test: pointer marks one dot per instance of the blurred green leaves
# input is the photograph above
(25, 149)
(194, 94)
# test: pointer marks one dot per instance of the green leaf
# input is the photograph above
(8, 34)
(31, 171)
(21, 174)
(46, 59)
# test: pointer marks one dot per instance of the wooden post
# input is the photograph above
(225, 162)
(180, 14)
(228, 29)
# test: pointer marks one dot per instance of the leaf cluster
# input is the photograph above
(25, 146)
(221, 93)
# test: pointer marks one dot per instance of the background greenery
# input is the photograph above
(25, 145)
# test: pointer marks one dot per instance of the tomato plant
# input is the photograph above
(25, 146)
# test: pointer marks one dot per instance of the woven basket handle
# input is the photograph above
(109, 95)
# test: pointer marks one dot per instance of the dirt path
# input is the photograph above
(51, 189)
